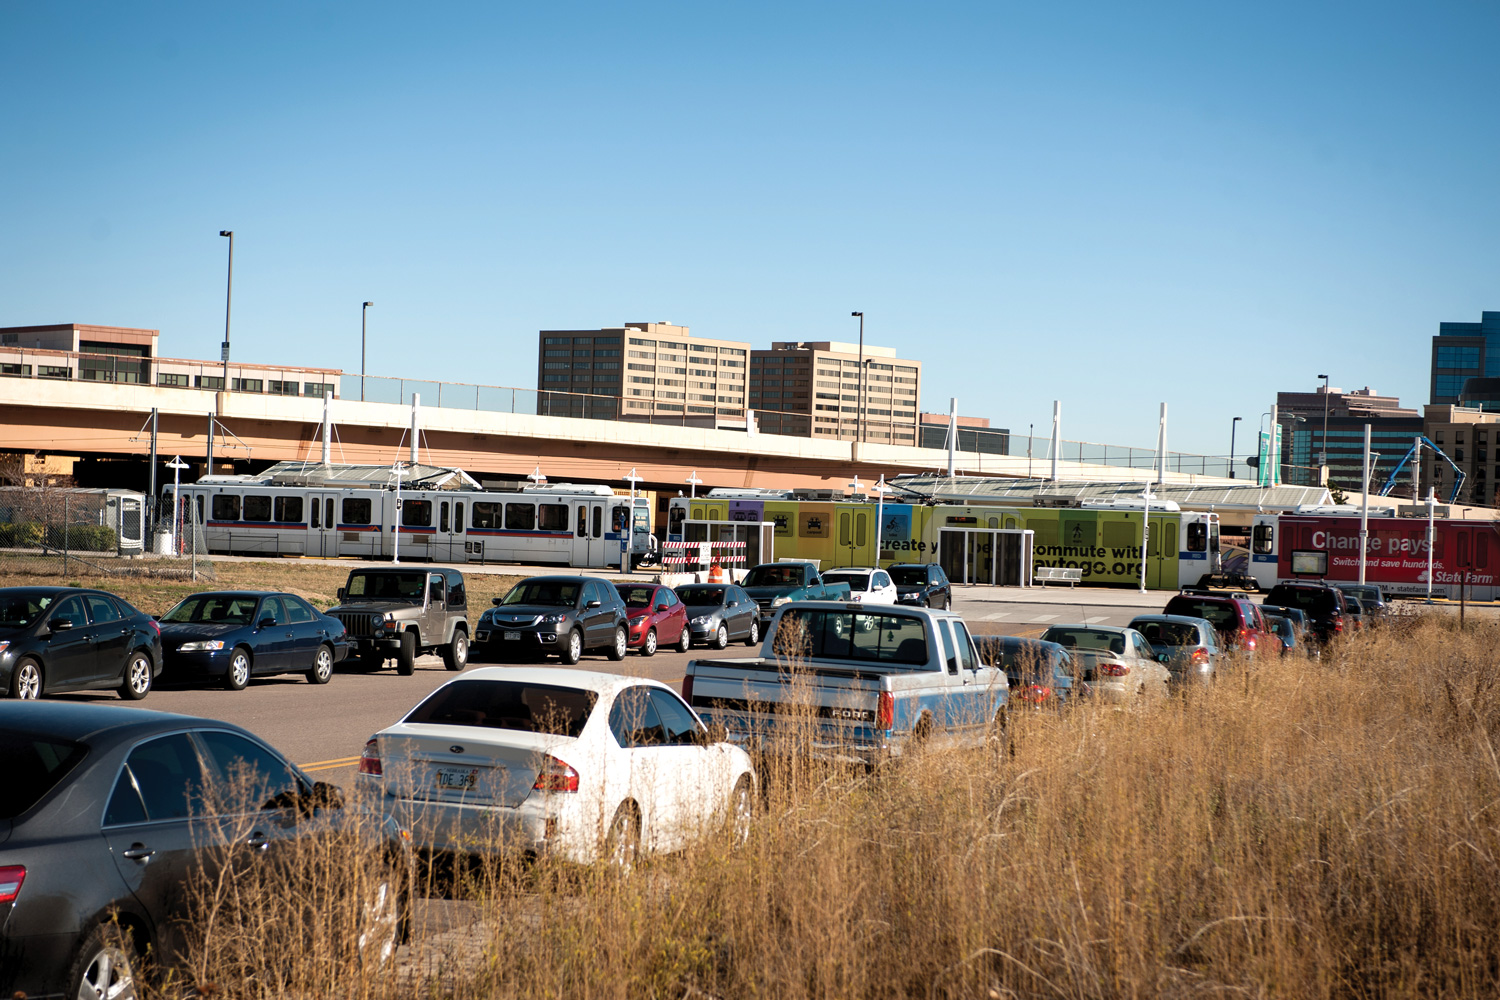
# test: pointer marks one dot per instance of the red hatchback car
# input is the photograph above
(657, 618)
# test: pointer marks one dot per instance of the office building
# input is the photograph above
(1471, 438)
(1303, 416)
(1462, 351)
(975, 435)
(812, 389)
(641, 371)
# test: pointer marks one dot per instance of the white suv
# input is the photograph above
(872, 586)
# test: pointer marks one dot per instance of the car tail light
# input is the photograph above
(11, 877)
(1338, 624)
(1199, 657)
(1034, 694)
(885, 711)
(369, 761)
(687, 689)
(555, 776)
(155, 624)
(1114, 669)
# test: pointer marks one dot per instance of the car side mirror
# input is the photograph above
(592, 604)
(324, 796)
(496, 601)
(60, 624)
(267, 622)
(661, 607)
(339, 594)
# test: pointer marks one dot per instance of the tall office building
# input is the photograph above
(1392, 428)
(1462, 351)
(640, 371)
(812, 389)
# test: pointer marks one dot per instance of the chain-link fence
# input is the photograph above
(61, 532)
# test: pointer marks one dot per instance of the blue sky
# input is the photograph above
(1112, 205)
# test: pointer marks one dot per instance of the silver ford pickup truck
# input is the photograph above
(856, 681)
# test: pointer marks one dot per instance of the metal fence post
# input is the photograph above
(65, 533)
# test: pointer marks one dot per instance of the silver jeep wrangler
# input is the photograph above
(392, 612)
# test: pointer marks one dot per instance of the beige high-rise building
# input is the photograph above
(812, 389)
(640, 370)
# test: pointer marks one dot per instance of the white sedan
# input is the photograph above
(560, 762)
(871, 586)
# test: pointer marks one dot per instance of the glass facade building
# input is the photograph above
(1462, 351)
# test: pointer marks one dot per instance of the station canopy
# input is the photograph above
(1045, 493)
(413, 477)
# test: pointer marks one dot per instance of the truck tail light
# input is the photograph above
(369, 761)
(1114, 669)
(1338, 624)
(1034, 694)
(11, 877)
(555, 776)
(885, 711)
(687, 689)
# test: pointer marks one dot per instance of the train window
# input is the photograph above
(583, 522)
(226, 507)
(443, 516)
(1197, 537)
(844, 528)
(1263, 537)
(1481, 550)
(617, 519)
(553, 517)
(356, 511)
(416, 513)
(289, 509)
(598, 521)
(1118, 534)
(1463, 548)
(675, 517)
(520, 516)
(486, 515)
(328, 513)
(458, 518)
(257, 508)
(315, 514)
(861, 527)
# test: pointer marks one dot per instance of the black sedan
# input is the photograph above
(1040, 673)
(230, 636)
(56, 639)
(106, 814)
(566, 615)
(923, 584)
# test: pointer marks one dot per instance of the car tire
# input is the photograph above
(685, 640)
(104, 965)
(622, 842)
(137, 677)
(383, 916)
(322, 668)
(573, 651)
(741, 812)
(648, 644)
(238, 674)
(456, 653)
(721, 637)
(406, 655)
(26, 681)
(617, 649)
(752, 638)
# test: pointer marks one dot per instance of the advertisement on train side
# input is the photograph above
(1397, 555)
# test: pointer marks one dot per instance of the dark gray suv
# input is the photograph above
(399, 613)
(566, 615)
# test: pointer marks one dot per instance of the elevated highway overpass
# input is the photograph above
(103, 421)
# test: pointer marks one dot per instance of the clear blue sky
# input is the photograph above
(1108, 204)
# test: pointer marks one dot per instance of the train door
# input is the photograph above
(589, 547)
(322, 525)
(362, 526)
(853, 538)
(1471, 573)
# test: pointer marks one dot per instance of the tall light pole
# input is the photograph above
(228, 298)
(1323, 452)
(859, 416)
(1233, 426)
(363, 310)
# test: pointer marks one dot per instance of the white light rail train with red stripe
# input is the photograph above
(588, 527)
(1288, 548)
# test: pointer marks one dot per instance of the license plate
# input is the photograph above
(512, 636)
(457, 779)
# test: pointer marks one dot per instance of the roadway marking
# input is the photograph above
(1042, 618)
(998, 616)
(1096, 621)
(329, 765)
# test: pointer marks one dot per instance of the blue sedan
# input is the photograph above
(230, 636)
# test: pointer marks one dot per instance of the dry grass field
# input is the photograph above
(1301, 830)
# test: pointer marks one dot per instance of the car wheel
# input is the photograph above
(721, 637)
(574, 650)
(382, 920)
(137, 677)
(741, 812)
(622, 844)
(26, 683)
(406, 656)
(648, 644)
(322, 667)
(617, 650)
(238, 674)
(103, 967)
(753, 637)
(456, 653)
(685, 640)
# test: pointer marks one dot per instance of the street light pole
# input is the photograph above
(1323, 452)
(1233, 426)
(228, 298)
(362, 311)
(859, 415)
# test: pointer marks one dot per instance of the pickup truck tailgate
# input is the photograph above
(757, 700)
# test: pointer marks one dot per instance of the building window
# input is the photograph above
(554, 378)
(317, 389)
(556, 354)
(283, 388)
(215, 382)
(557, 340)
(607, 340)
(556, 364)
(612, 353)
(24, 371)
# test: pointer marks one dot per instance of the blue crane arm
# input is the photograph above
(1458, 474)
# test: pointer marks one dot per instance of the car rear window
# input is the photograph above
(1168, 633)
(1314, 599)
(851, 635)
(636, 597)
(909, 576)
(1220, 614)
(532, 708)
(856, 581)
(33, 767)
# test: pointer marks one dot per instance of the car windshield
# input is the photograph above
(33, 767)
(20, 610)
(549, 593)
(636, 597)
(217, 609)
(1168, 633)
(857, 581)
(386, 586)
(701, 597)
(1086, 640)
(909, 576)
(531, 708)
(772, 576)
